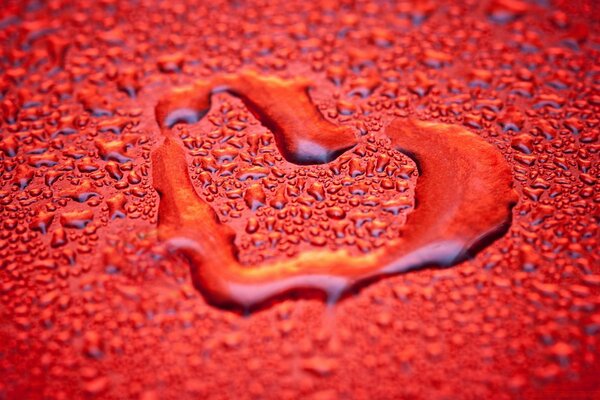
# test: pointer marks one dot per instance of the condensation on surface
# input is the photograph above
(95, 303)
(464, 196)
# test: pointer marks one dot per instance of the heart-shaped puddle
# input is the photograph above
(350, 197)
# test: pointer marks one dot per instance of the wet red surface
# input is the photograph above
(356, 200)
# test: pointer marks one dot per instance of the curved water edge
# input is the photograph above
(464, 197)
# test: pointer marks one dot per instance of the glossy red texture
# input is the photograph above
(210, 199)
(464, 195)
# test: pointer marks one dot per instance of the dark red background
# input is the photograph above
(105, 311)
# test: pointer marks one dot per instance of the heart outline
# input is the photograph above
(440, 231)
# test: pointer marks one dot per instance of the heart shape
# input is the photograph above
(464, 194)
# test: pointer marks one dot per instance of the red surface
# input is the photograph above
(311, 166)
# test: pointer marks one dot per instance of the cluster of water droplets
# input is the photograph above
(93, 304)
(359, 200)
